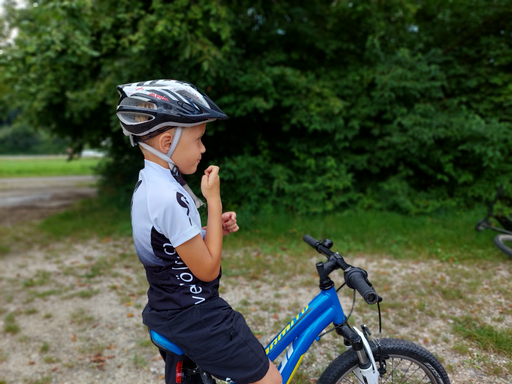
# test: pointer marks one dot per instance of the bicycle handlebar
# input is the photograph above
(311, 241)
(355, 278)
(320, 248)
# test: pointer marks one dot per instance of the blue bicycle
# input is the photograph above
(366, 360)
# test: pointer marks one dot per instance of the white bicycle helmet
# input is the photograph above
(164, 103)
(148, 108)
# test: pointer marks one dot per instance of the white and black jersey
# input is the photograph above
(164, 217)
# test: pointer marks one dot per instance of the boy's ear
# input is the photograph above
(165, 141)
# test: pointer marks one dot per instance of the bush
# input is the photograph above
(398, 105)
(20, 139)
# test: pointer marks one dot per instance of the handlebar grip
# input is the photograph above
(311, 241)
(356, 279)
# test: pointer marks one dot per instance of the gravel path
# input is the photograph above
(70, 313)
(25, 199)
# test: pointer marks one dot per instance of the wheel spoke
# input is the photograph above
(406, 363)
(410, 373)
(417, 380)
(403, 371)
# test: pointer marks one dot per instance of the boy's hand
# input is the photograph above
(229, 224)
(210, 183)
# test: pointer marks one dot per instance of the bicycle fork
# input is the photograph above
(367, 370)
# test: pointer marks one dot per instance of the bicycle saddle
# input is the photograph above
(163, 343)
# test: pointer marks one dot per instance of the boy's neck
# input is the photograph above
(155, 159)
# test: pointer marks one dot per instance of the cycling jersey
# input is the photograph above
(164, 217)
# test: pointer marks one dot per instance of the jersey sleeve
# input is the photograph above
(172, 216)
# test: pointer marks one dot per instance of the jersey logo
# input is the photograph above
(169, 249)
(135, 190)
(182, 200)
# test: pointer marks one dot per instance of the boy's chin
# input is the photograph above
(189, 171)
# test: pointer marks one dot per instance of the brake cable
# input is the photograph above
(382, 362)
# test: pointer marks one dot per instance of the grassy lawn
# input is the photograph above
(45, 166)
(448, 237)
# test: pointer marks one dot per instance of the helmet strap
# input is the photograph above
(175, 139)
(157, 153)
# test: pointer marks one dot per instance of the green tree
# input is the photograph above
(19, 139)
(402, 104)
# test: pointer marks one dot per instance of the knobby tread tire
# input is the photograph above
(500, 241)
(393, 348)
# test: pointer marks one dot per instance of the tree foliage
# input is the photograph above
(398, 104)
(20, 139)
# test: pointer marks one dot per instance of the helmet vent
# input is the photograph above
(133, 118)
(192, 97)
(138, 102)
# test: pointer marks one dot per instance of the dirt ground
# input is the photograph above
(70, 311)
(26, 199)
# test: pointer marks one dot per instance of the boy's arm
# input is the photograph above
(203, 257)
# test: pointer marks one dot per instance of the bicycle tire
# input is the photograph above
(500, 241)
(406, 363)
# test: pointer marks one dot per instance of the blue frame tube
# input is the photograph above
(324, 309)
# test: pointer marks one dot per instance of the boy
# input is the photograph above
(167, 119)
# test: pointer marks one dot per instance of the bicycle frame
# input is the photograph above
(298, 336)
(503, 220)
(303, 330)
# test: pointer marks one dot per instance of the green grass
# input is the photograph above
(10, 325)
(46, 166)
(139, 361)
(87, 218)
(4, 356)
(44, 348)
(145, 343)
(449, 237)
(39, 279)
(486, 336)
(84, 294)
(80, 316)
(50, 360)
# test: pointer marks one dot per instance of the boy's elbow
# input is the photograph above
(208, 279)
(209, 276)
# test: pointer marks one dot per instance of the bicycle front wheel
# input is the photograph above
(406, 363)
(501, 242)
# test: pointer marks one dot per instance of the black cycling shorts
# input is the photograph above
(215, 337)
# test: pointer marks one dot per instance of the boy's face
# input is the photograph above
(189, 150)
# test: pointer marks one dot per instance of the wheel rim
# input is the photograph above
(400, 370)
